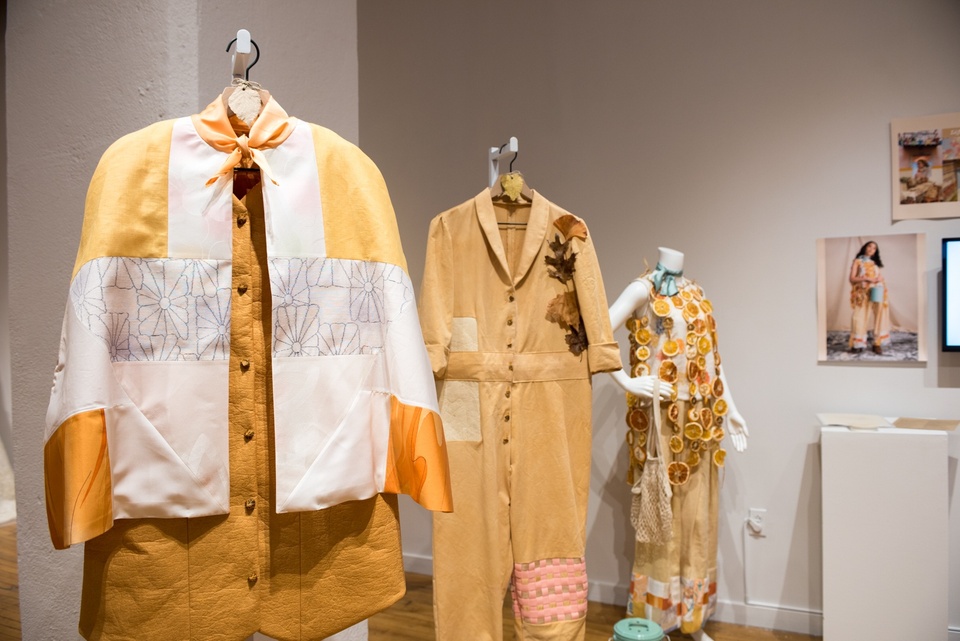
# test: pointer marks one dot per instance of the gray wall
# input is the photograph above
(737, 132)
(80, 75)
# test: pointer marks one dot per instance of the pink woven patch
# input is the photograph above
(550, 590)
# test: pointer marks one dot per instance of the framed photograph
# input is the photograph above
(925, 163)
(871, 299)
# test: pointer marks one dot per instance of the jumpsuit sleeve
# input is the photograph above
(603, 353)
(436, 296)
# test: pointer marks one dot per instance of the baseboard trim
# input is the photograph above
(771, 617)
(418, 563)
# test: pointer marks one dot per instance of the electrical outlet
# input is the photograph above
(757, 519)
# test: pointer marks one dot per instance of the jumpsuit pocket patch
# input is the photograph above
(460, 410)
(464, 335)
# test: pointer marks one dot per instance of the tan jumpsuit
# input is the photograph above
(503, 330)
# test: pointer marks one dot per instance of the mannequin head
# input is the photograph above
(671, 259)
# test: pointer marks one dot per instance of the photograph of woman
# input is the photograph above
(868, 297)
(871, 308)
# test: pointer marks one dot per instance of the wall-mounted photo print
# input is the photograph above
(871, 301)
(925, 162)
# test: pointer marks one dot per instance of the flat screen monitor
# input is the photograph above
(950, 301)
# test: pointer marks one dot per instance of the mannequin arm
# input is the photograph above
(634, 297)
(736, 425)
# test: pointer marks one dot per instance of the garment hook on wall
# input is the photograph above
(246, 71)
(515, 154)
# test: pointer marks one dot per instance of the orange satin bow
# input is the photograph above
(269, 130)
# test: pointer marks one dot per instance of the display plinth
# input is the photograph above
(884, 534)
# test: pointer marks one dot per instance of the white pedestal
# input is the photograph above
(884, 534)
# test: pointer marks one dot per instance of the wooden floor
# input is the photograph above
(9, 590)
(411, 619)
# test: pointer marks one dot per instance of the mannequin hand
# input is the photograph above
(737, 428)
(642, 386)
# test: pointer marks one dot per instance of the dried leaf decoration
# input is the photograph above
(577, 339)
(571, 227)
(564, 310)
(560, 266)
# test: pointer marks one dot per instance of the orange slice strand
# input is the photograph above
(637, 419)
(642, 352)
(687, 296)
(706, 418)
(693, 431)
(643, 335)
(676, 444)
(678, 472)
(672, 347)
(719, 457)
(668, 372)
(661, 307)
(704, 345)
(720, 407)
(718, 387)
(694, 459)
(699, 326)
(639, 454)
(706, 306)
(677, 301)
(718, 434)
(673, 412)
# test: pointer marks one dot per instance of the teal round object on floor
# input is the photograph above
(637, 629)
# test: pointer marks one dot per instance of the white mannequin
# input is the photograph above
(635, 298)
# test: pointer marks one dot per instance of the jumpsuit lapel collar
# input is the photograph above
(533, 238)
(488, 223)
